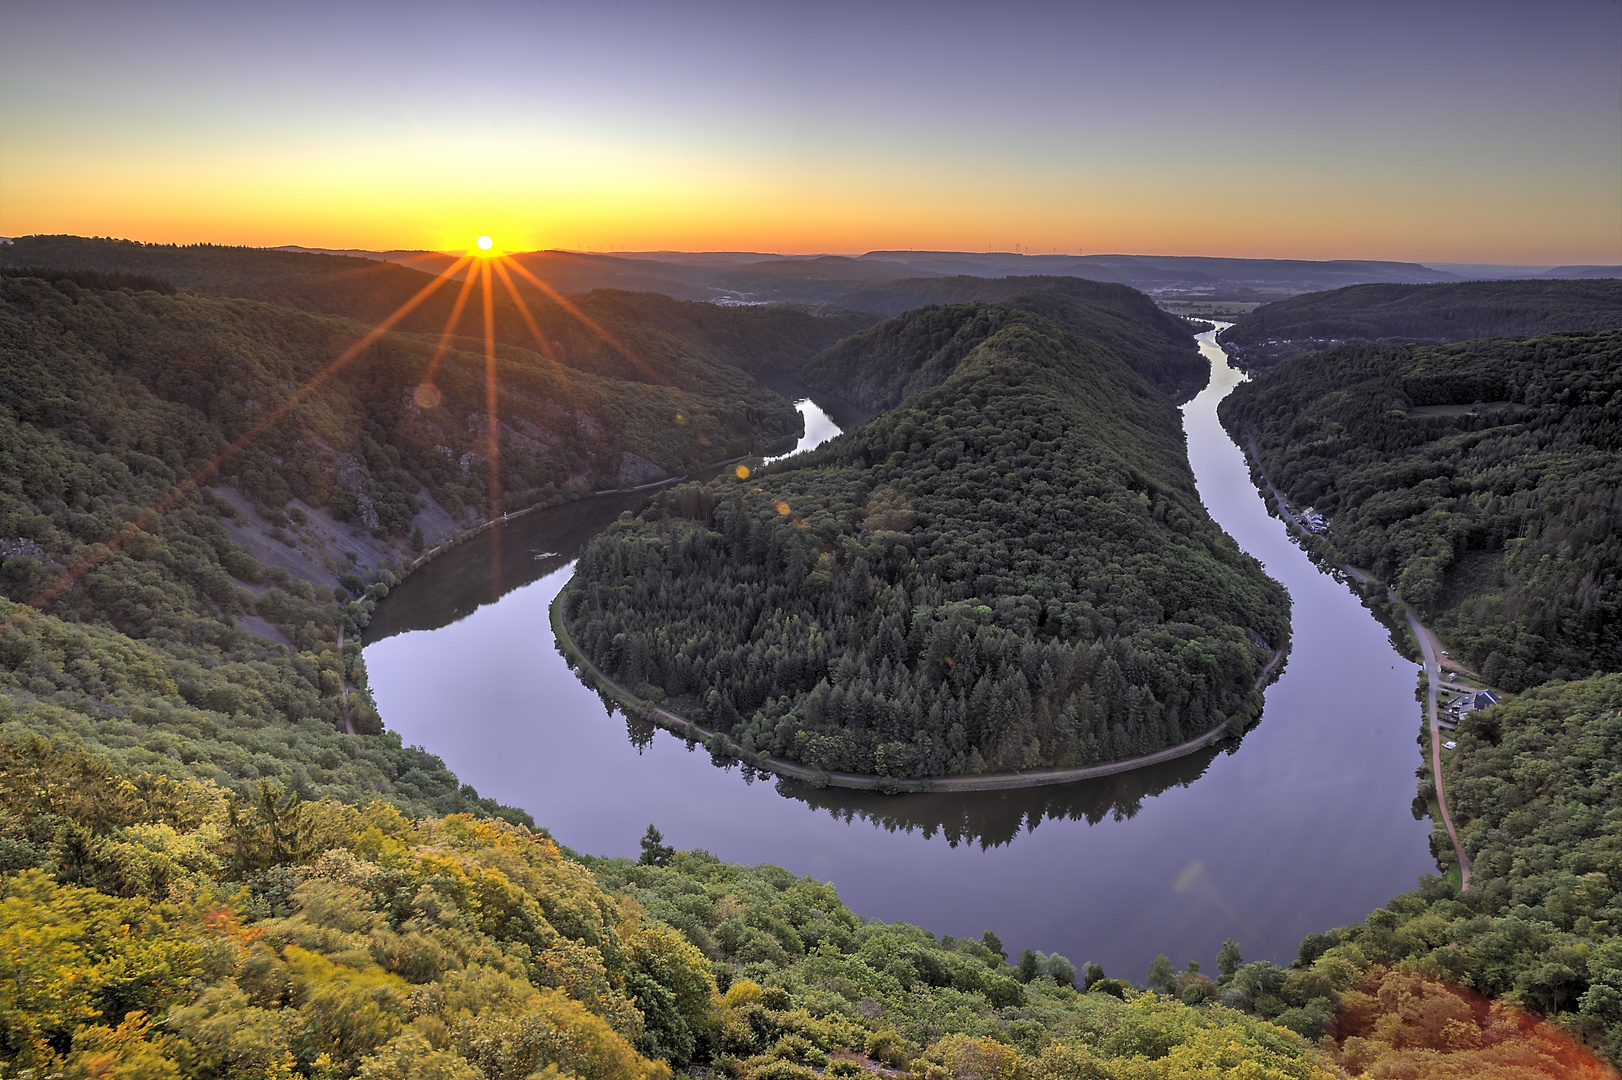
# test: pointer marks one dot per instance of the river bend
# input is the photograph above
(1302, 826)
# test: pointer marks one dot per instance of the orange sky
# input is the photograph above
(1492, 137)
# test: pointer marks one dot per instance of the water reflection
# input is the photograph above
(819, 427)
(1305, 827)
(524, 549)
(989, 819)
(487, 567)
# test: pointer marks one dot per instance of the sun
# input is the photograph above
(485, 243)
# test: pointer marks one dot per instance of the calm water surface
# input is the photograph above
(1303, 825)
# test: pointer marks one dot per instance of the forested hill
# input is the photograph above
(175, 379)
(1430, 313)
(671, 340)
(205, 642)
(1484, 479)
(880, 367)
(1011, 569)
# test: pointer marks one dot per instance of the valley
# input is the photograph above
(245, 581)
(1161, 859)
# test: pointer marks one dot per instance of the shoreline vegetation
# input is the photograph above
(1500, 526)
(719, 744)
(1480, 479)
(1425, 641)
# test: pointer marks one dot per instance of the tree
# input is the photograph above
(1030, 965)
(994, 943)
(1228, 960)
(1162, 977)
(655, 852)
(271, 829)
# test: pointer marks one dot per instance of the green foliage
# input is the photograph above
(453, 948)
(657, 329)
(70, 956)
(1502, 525)
(117, 396)
(477, 946)
(809, 984)
(1534, 792)
(1009, 570)
(1437, 313)
(93, 279)
(182, 710)
(880, 367)
(655, 852)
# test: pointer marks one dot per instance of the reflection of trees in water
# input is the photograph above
(640, 729)
(995, 818)
(478, 572)
(989, 818)
(485, 568)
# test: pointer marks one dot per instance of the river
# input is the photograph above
(1302, 826)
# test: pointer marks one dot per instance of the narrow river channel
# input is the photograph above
(1302, 826)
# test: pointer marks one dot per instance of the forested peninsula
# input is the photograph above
(1433, 314)
(1009, 570)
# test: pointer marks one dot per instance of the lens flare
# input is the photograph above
(425, 395)
(196, 479)
(741, 472)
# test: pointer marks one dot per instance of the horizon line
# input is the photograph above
(1440, 264)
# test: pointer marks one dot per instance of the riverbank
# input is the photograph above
(1425, 640)
(720, 743)
(1433, 676)
(464, 535)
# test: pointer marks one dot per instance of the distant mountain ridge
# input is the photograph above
(1438, 313)
(747, 278)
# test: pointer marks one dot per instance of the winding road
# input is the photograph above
(1431, 650)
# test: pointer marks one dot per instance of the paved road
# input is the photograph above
(1431, 649)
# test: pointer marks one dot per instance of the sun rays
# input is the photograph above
(478, 270)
